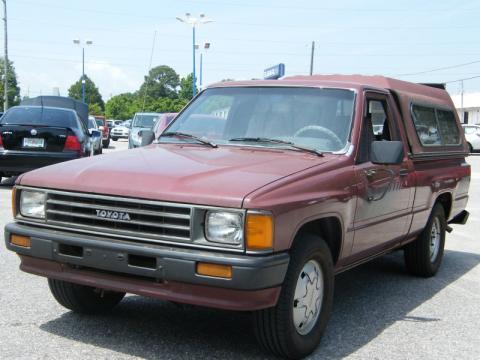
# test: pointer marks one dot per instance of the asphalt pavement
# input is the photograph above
(380, 312)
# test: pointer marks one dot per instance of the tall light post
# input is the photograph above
(206, 46)
(193, 22)
(5, 75)
(83, 44)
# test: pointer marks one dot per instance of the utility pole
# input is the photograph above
(311, 58)
(5, 75)
(461, 103)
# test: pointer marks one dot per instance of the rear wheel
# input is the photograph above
(294, 327)
(83, 299)
(424, 255)
(106, 143)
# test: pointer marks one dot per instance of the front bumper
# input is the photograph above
(151, 270)
(13, 162)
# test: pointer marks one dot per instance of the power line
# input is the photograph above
(441, 68)
(464, 79)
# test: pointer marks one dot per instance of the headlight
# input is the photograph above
(224, 227)
(32, 204)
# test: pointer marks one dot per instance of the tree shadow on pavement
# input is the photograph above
(368, 299)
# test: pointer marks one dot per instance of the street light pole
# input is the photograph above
(5, 75)
(194, 79)
(83, 74)
(193, 21)
(206, 46)
(83, 43)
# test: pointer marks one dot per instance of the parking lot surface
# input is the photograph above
(380, 312)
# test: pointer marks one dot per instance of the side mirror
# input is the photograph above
(147, 137)
(95, 133)
(387, 152)
(101, 128)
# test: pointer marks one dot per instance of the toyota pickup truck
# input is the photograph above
(253, 199)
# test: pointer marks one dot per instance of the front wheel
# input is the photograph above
(114, 138)
(83, 299)
(424, 255)
(294, 327)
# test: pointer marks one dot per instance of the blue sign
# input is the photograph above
(274, 72)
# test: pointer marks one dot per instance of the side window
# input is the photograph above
(426, 125)
(435, 127)
(448, 127)
(377, 126)
(469, 130)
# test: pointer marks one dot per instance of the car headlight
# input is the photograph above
(224, 227)
(32, 204)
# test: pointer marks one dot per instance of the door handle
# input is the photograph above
(370, 172)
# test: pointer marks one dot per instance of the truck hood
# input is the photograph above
(193, 174)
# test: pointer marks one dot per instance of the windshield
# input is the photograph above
(144, 121)
(40, 116)
(316, 118)
(99, 122)
(92, 124)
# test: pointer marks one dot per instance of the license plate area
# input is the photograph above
(33, 143)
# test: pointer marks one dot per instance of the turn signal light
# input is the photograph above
(19, 240)
(259, 232)
(14, 201)
(1, 142)
(216, 270)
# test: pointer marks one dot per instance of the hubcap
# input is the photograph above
(435, 237)
(307, 301)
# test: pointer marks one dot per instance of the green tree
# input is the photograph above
(161, 81)
(122, 106)
(92, 95)
(185, 91)
(13, 89)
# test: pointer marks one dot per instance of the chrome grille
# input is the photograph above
(147, 220)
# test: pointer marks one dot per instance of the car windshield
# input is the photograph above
(319, 119)
(99, 122)
(40, 116)
(144, 121)
(92, 124)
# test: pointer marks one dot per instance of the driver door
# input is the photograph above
(384, 192)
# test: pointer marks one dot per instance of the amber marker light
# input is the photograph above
(259, 231)
(215, 270)
(14, 201)
(19, 240)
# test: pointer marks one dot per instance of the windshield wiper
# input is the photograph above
(278, 141)
(189, 136)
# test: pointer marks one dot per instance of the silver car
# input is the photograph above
(97, 143)
(472, 135)
(120, 131)
(141, 121)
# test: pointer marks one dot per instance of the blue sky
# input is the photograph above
(361, 37)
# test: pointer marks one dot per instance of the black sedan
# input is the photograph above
(35, 136)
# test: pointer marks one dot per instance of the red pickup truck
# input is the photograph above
(253, 199)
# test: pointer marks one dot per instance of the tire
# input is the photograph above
(279, 329)
(470, 148)
(114, 138)
(83, 299)
(100, 151)
(424, 255)
(106, 143)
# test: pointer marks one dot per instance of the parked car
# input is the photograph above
(103, 127)
(120, 131)
(253, 199)
(35, 136)
(472, 135)
(141, 121)
(148, 136)
(97, 143)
